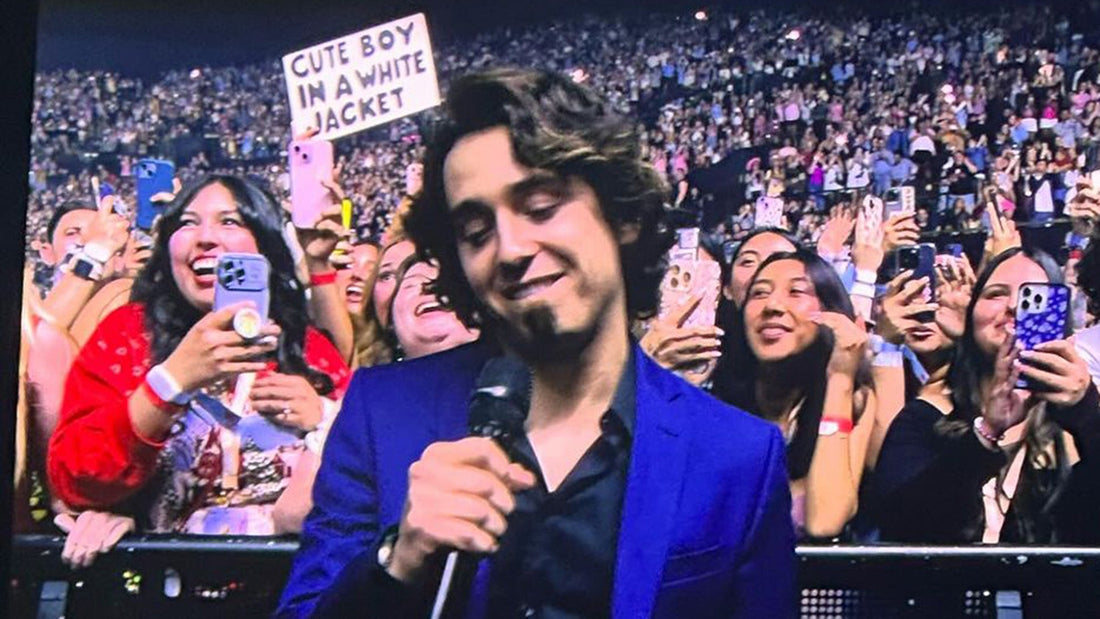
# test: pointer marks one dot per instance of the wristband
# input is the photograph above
(322, 279)
(865, 276)
(863, 289)
(165, 386)
(834, 425)
(97, 252)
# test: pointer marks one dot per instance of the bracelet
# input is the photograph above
(982, 431)
(322, 279)
(834, 425)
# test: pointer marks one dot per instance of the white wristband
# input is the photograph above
(166, 387)
(863, 289)
(865, 276)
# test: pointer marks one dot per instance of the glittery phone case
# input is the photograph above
(1042, 315)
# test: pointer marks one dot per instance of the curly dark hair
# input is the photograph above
(556, 125)
(169, 316)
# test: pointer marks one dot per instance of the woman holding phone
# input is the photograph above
(801, 365)
(1004, 464)
(158, 421)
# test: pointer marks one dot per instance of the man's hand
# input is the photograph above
(460, 495)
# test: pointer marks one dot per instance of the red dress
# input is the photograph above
(98, 461)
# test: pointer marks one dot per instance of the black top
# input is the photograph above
(927, 487)
(557, 559)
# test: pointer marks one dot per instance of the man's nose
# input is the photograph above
(516, 245)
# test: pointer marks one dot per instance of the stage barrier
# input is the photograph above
(202, 577)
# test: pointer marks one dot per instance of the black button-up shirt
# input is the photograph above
(557, 558)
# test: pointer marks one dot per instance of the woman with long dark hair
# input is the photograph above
(159, 419)
(801, 365)
(1004, 464)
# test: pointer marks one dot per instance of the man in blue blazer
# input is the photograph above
(629, 492)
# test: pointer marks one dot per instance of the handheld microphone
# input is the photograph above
(498, 410)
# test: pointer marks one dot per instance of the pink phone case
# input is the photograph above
(685, 278)
(310, 161)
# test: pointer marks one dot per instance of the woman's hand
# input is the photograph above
(1006, 405)
(903, 302)
(954, 286)
(835, 233)
(849, 343)
(1086, 203)
(900, 229)
(289, 400)
(212, 350)
(867, 250)
(676, 347)
(1062, 372)
(1002, 235)
(90, 534)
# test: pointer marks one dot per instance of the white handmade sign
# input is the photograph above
(363, 79)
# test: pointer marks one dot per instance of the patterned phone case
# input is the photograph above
(1042, 314)
(242, 277)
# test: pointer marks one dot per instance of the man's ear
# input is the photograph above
(629, 232)
(46, 252)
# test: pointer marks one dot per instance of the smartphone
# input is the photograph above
(769, 212)
(243, 277)
(309, 162)
(685, 279)
(687, 245)
(921, 259)
(1042, 315)
(900, 200)
(152, 176)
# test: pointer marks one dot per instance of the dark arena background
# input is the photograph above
(813, 104)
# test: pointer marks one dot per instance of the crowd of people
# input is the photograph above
(897, 395)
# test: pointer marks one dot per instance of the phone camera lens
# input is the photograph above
(1038, 298)
(1026, 305)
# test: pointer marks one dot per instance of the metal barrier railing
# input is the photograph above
(165, 576)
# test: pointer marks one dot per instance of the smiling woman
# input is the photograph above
(157, 422)
(802, 367)
(421, 323)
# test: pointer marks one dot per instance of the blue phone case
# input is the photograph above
(1042, 315)
(153, 176)
(242, 277)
